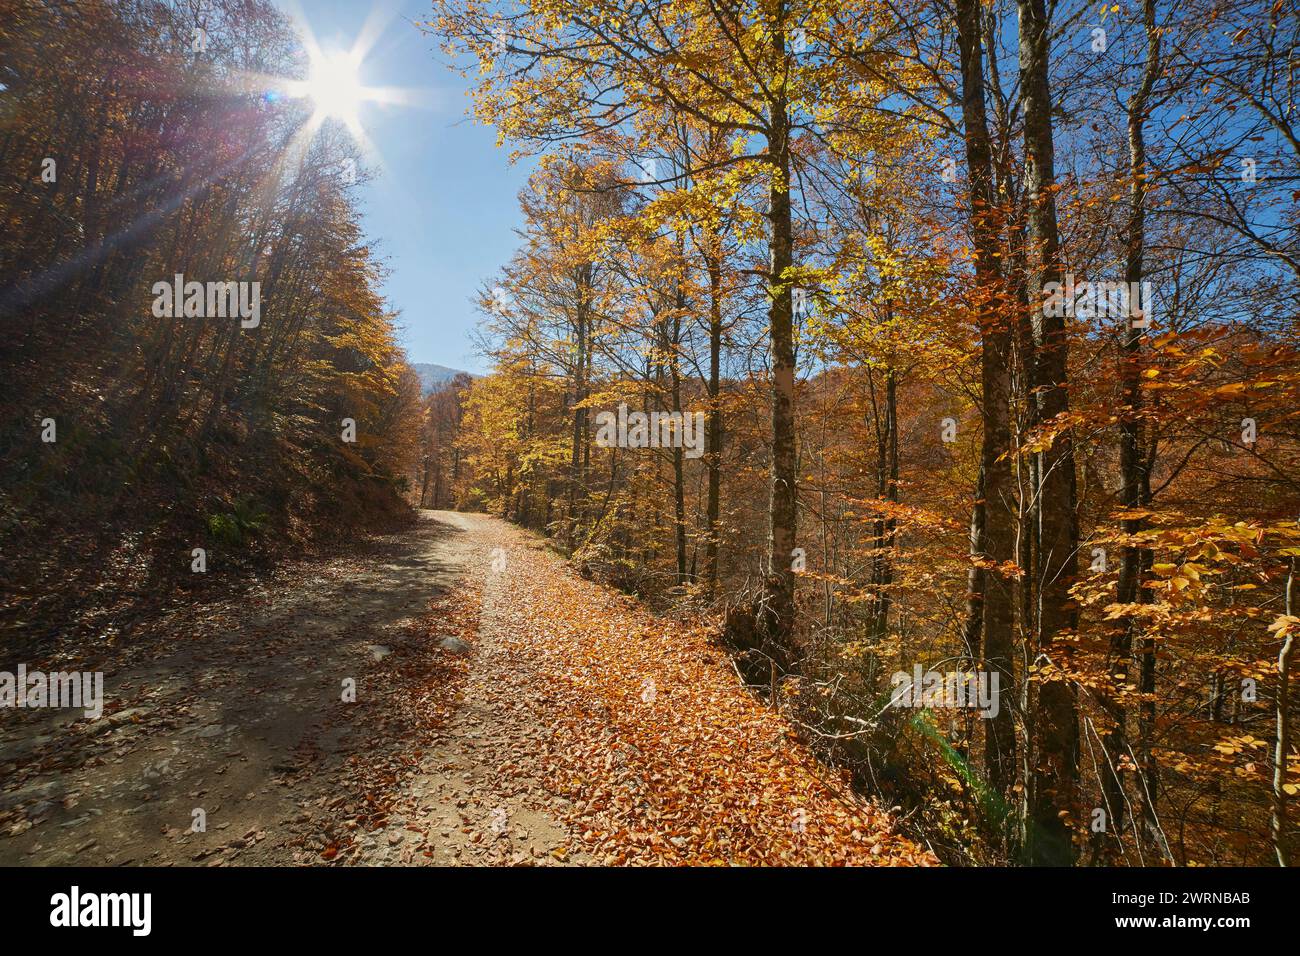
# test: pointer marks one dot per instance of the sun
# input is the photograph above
(334, 86)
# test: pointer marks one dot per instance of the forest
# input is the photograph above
(991, 309)
(916, 382)
(158, 435)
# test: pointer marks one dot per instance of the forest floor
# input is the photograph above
(506, 712)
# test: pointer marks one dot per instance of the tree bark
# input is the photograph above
(1135, 560)
(713, 508)
(1282, 747)
(777, 612)
(576, 477)
(1055, 743)
(992, 519)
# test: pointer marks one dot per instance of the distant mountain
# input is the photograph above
(432, 376)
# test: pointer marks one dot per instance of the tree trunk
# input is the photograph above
(579, 411)
(1055, 744)
(713, 508)
(1135, 560)
(777, 616)
(1282, 748)
(882, 568)
(679, 452)
(991, 590)
(424, 484)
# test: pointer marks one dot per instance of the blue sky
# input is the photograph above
(442, 205)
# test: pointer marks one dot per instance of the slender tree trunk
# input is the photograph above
(882, 569)
(1134, 560)
(1282, 748)
(679, 452)
(973, 629)
(777, 617)
(714, 506)
(579, 411)
(1055, 747)
(992, 520)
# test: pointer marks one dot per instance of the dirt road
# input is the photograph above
(450, 695)
(233, 744)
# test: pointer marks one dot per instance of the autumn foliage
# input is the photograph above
(131, 157)
(1100, 505)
